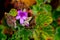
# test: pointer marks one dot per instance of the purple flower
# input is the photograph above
(22, 15)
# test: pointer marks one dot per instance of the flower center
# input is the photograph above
(22, 14)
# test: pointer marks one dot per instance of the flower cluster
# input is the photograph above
(22, 16)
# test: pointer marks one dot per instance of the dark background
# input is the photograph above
(5, 6)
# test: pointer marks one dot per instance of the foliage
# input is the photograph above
(2, 35)
(13, 12)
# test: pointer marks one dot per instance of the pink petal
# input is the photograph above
(17, 17)
(19, 11)
(24, 17)
(21, 21)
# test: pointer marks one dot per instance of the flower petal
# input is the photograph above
(19, 11)
(27, 24)
(17, 17)
(24, 17)
(26, 14)
(21, 21)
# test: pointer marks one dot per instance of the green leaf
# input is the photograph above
(1, 27)
(44, 19)
(48, 1)
(56, 37)
(35, 9)
(47, 8)
(58, 9)
(54, 24)
(13, 12)
(39, 2)
(2, 36)
(55, 14)
(48, 30)
(57, 34)
(58, 31)
(35, 36)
